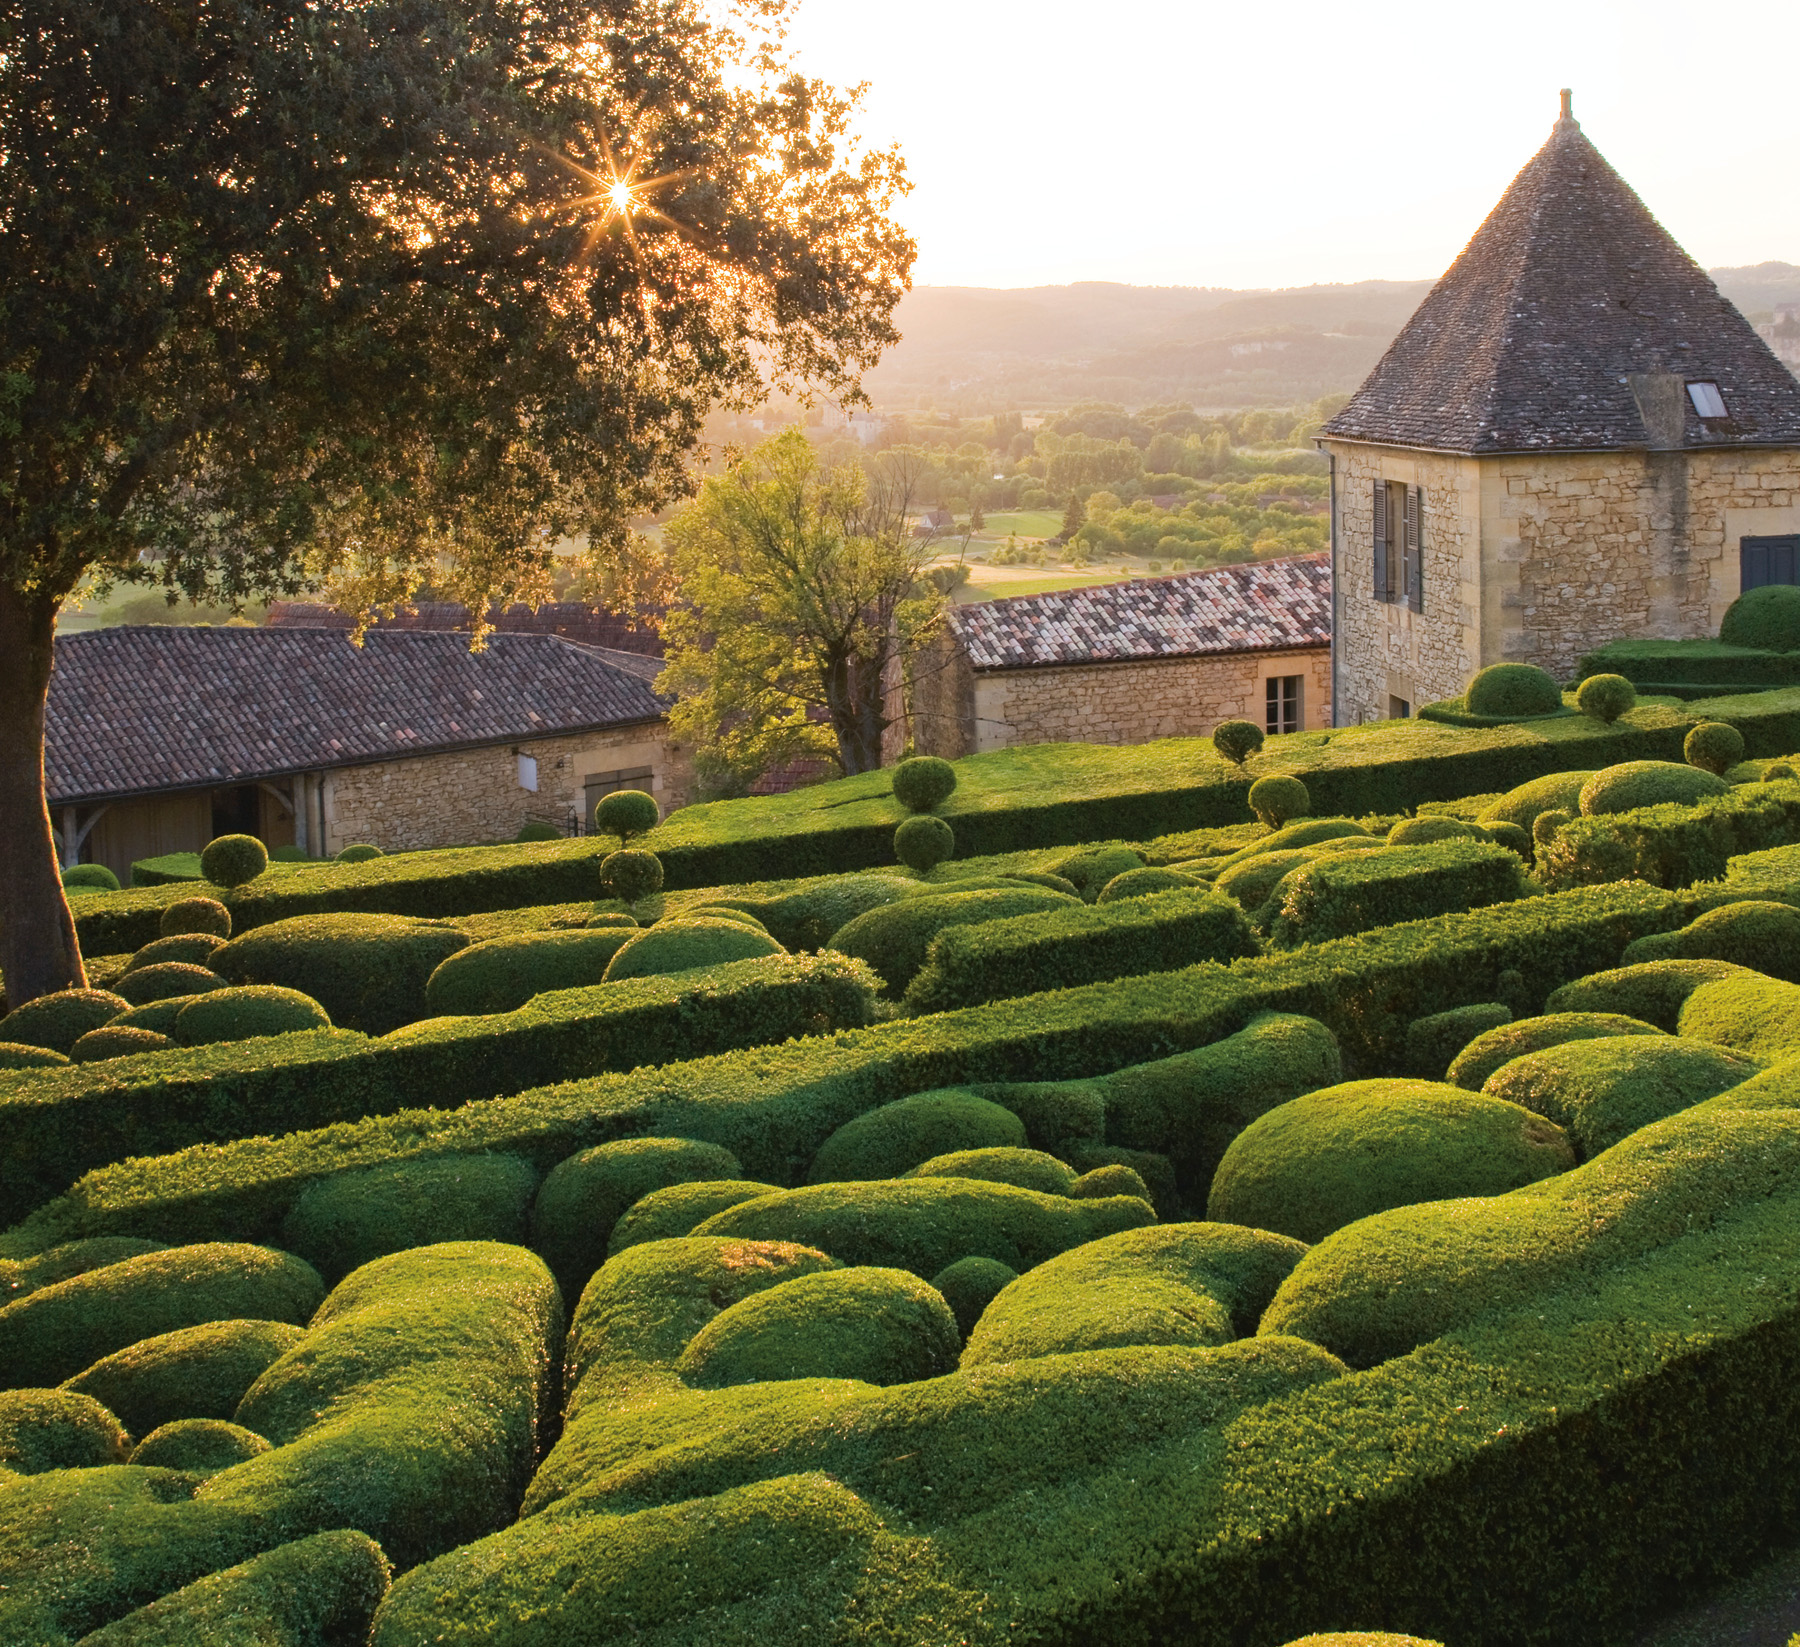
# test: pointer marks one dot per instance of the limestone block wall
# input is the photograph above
(474, 795)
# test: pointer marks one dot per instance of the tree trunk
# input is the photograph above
(853, 699)
(38, 952)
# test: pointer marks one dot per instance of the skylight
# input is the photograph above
(1708, 402)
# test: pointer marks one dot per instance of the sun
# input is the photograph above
(619, 197)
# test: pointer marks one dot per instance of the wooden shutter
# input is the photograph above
(1383, 590)
(1415, 548)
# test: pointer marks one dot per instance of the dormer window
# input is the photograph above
(1708, 402)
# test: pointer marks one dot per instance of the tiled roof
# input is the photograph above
(1569, 288)
(591, 625)
(137, 710)
(1258, 607)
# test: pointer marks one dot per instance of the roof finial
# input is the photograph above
(1568, 116)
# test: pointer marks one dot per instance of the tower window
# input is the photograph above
(1400, 544)
(1708, 402)
(1283, 703)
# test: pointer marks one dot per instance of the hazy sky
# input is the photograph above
(1168, 143)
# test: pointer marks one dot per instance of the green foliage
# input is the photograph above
(186, 916)
(233, 860)
(1547, 826)
(584, 1196)
(895, 938)
(881, 1326)
(672, 947)
(198, 1446)
(678, 1209)
(1713, 746)
(56, 1430)
(971, 1284)
(890, 1140)
(1433, 1042)
(1779, 771)
(1767, 618)
(1343, 893)
(1331, 1157)
(1478, 1060)
(502, 974)
(1633, 784)
(630, 873)
(1308, 832)
(20, 1276)
(1237, 741)
(55, 1331)
(97, 876)
(56, 1022)
(1747, 1013)
(1512, 691)
(1757, 934)
(1185, 1284)
(314, 1592)
(359, 852)
(165, 980)
(923, 842)
(1279, 799)
(1432, 828)
(1605, 697)
(1653, 992)
(723, 912)
(247, 1013)
(193, 1372)
(342, 1223)
(923, 783)
(1557, 792)
(116, 1041)
(158, 1017)
(194, 948)
(1513, 838)
(535, 829)
(1090, 871)
(807, 917)
(626, 813)
(1140, 883)
(1002, 1164)
(20, 1055)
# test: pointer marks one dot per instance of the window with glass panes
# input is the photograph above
(1283, 705)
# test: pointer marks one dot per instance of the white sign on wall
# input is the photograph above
(528, 773)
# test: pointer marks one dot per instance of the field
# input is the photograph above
(1084, 1195)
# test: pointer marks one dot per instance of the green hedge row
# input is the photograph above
(774, 1107)
(1351, 892)
(1672, 845)
(1698, 667)
(56, 1125)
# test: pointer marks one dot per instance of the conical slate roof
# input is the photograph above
(1568, 290)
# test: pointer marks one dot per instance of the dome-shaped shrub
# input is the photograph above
(247, 1013)
(882, 1326)
(57, 1430)
(1605, 697)
(535, 829)
(631, 874)
(165, 980)
(1758, 934)
(1279, 799)
(625, 813)
(90, 878)
(892, 1139)
(116, 1041)
(58, 1021)
(1324, 1160)
(923, 782)
(1491, 1049)
(194, 948)
(923, 842)
(1433, 1042)
(502, 974)
(969, 1285)
(1237, 741)
(200, 1446)
(187, 915)
(158, 1017)
(1512, 691)
(1558, 791)
(1140, 883)
(17, 1055)
(1431, 828)
(720, 912)
(608, 918)
(1545, 825)
(1003, 1164)
(1251, 880)
(894, 937)
(1652, 991)
(1767, 618)
(1779, 772)
(1713, 746)
(1512, 837)
(683, 945)
(1115, 1178)
(1633, 784)
(233, 860)
(1090, 870)
(358, 852)
(678, 1209)
(193, 1372)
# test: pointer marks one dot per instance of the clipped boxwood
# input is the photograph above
(1089, 870)
(1278, 799)
(1757, 1016)
(58, 1021)
(894, 938)
(923, 782)
(233, 860)
(187, 917)
(890, 1140)
(1757, 934)
(57, 1430)
(193, 1372)
(164, 980)
(683, 945)
(971, 1284)
(1331, 1157)
(116, 1040)
(1555, 792)
(19, 1055)
(198, 1446)
(1140, 883)
(195, 948)
(1767, 618)
(90, 878)
(72, 1258)
(1345, 893)
(1488, 1051)
(1432, 828)
(247, 1014)
(504, 973)
(1003, 1164)
(1653, 992)
(1512, 691)
(677, 1210)
(923, 842)
(1433, 1042)
(1626, 787)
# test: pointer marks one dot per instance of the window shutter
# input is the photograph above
(1415, 548)
(1382, 591)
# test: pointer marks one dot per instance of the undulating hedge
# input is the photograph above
(1672, 845)
(57, 1124)
(1700, 668)
(1345, 893)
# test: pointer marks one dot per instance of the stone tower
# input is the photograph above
(1575, 438)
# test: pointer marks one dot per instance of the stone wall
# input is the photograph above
(472, 796)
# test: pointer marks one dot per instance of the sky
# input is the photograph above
(1163, 143)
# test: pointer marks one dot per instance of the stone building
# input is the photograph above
(1575, 438)
(1127, 662)
(157, 739)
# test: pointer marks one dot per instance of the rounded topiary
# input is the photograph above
(882, 1326)
(1713, 746)
(116, 1041)
(158, 1017)
(187, 915)
(1115, 1178)
(1545, 825)
(17, 1055)
(625, 813)
(1140, 883)
(1559, 791)
(200, 1446)
(165, 980)
(1433, 1041)
(502, 974)
(631, 873)
(193, 1372)
(1494, 1048)
(233, 860)
(360, 852)
(1432, 828)
(893, 938)
(247, 1013)
(924, 842)
(1279, 799)
(1767, 618)
(535, 829)
(195, 948)
(57, 1430)
(1605, 697)
(91, 877)
(1089, 871)
(720, 912)
(969, 1285)
(1756, 933)
(1632, 784)
(923, 782)
(1003, 1164)
(606, 918)
(1512, 837)
(1654, 991)
(678, 1209)
(58, 1021)
(1779, 772)
(1324, 1160)
(891, 1139)
(1237, 741)
(684, 945)
(1512, 691)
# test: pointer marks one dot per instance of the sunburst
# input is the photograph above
(621, 196)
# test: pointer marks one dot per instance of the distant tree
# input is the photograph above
(802, 593)
(1074, 518)
(977, 519)
(356, 290)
